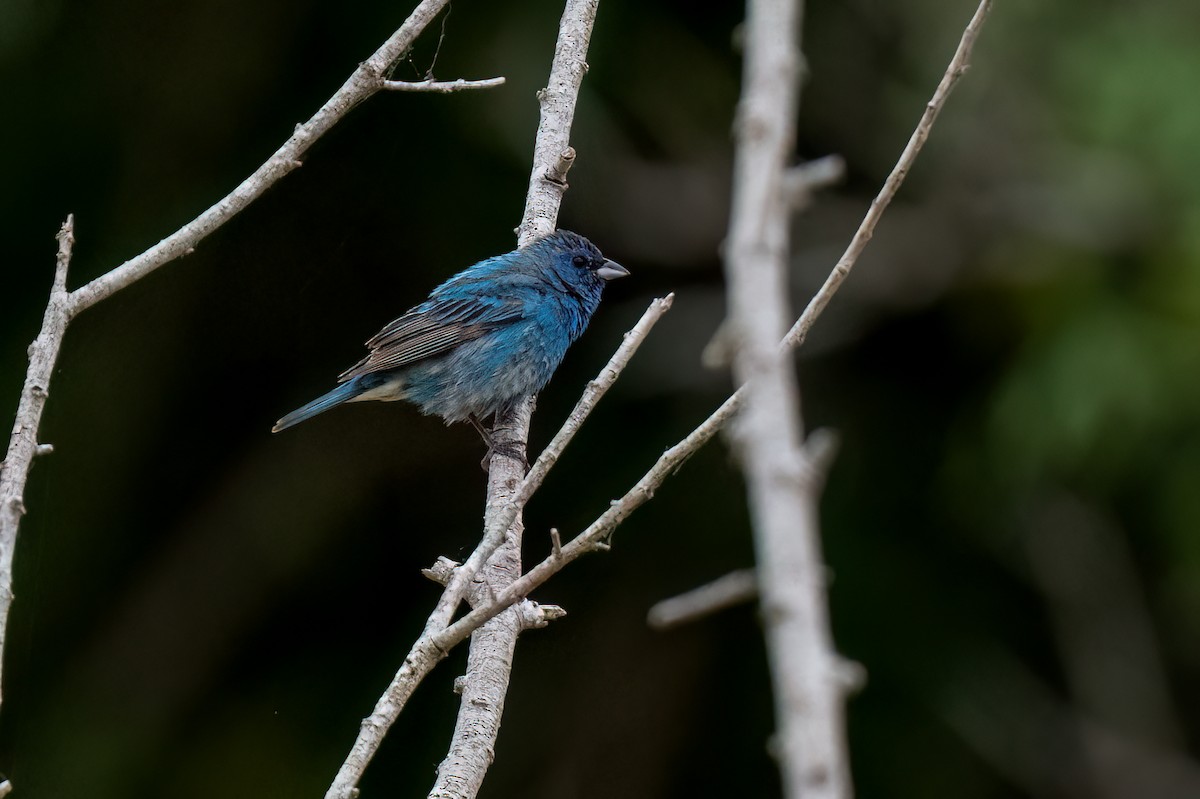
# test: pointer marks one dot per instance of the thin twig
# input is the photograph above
(22, 444)
(802, 181)
(957, 68)
(365, 81)
(724, 592)
(439, 86)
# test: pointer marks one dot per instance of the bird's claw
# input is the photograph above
(514, 451)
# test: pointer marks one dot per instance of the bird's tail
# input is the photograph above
(343, 393)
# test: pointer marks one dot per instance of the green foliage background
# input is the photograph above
(1011, 527)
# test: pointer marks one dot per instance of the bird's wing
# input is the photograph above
(434, 328)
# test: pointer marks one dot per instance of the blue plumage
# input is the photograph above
(485, 338)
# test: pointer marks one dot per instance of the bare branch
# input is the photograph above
(552, 153)
(22, 444)
(439, 86)
(800, 182)
(811, 740)
(734, 588)
(365, 81)
(957, 68)
(441, 571)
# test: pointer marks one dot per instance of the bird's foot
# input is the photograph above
(514, 451)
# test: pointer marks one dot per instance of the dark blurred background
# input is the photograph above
(1014, 367)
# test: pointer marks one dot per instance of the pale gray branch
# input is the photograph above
(734, 588)
(957, 68)
(552, 153)
(810, 742)
(22, 444)
(800, 182)
(439, 86)
(365, 81)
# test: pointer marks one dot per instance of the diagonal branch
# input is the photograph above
(366, 80)
(866, 229)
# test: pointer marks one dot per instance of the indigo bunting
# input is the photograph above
(487, 337)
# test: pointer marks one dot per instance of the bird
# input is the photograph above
(483, 340)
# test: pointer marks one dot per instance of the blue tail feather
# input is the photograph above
(343, 393)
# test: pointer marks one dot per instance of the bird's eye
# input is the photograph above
(579, 260)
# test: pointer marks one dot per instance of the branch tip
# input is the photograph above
(724, 592)
(802, 181)
(850, 676)
(821, 448)
(442, 570)
(534, 616)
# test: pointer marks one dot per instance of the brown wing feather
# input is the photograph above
(426, 332)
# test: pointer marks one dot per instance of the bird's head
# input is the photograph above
(577, 259)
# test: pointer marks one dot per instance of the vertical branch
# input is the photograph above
(552, 153)
(492, 645)
(22, 445)
(783, 482)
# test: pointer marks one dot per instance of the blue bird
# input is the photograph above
(487, 337)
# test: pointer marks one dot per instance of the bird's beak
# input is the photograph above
(611, 270)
